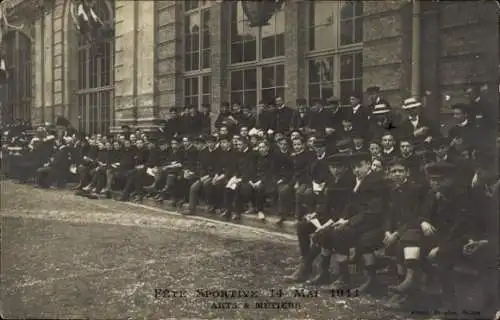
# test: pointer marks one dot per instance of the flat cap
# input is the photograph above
(339, 158)
(301, 101)
(442, 169)
(358, 157)
(333, 100)
(373, 89)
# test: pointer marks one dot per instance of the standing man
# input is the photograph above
(284, 116)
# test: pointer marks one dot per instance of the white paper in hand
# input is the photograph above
(318, 187)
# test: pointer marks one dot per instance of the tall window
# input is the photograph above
(17, 99)
(257, 57)
(335, 44)
(197, 53)
(95, 75)
(197, 92)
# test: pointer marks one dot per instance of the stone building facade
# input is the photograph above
(163, 54)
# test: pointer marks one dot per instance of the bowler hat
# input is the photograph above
(373, 89)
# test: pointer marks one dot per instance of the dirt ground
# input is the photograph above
(70, 257)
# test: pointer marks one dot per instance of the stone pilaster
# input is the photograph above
(169, 81)
(125, 62)
(383, 54)
(219, 15)
(57, 58)
(48, 87)
(70, 67)
(146, 109)
(295, 17)
(37, 67)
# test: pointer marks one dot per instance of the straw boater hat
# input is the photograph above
(411, 103)
(381, 108)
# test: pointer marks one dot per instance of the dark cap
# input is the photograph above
(339, 159)
(301, 101)
(358, 157)
(344, 144)
(174, 109)
(199, 139)
(332, 100)
(174, 140)
(396, 162)
(125, 127)
(318, 101)
(320, 142)
(442, 169)
(440, 142)
(211, 138)
(192, 106)
(373, 89)
(461, 106)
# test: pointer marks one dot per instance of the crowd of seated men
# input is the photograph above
(353, 177)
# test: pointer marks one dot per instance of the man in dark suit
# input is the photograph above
(402, 228)
(417, 126)
(173, 124)
(359, 114)
(302, 117)
(447, 217)
(284, 116)
(360, 225)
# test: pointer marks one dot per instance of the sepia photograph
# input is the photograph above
(249, 159)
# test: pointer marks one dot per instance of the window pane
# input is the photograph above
(326, 91)
(346, 89)
(206, 84)
(194, 86)
(206, 99)
(250, 98)
(268, 77)
(236, 80)
(236, 52)
(195, 61)
(321, 70)
(314, 72)
(280, 45)
(358, 30)
(206, 40)
(346, 32)
(280, 76)
(358, 65)
(346, 66)
(191, 4)
(236, 97)
(187, 61)
(249, 50)
(323, 38)
(347, 11)
(314, 92)
(187, 87)
(250, 79)
(322, 13)
(268, 94)
(268, 47)
(279, 92)
(206, 59)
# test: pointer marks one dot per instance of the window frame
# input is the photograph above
(90, 119)
(205, 5)
(200, 93)
(201, 72)
(17, 92)
(258, 74)
(259, 61)
(258, 64)
(336, 52)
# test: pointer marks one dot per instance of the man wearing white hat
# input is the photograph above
(381, 116)
(416, 126)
